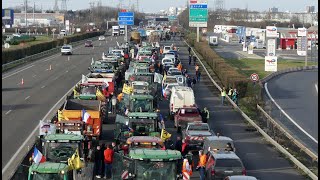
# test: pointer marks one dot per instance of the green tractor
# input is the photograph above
(137, 103)
(146, 164)
(49, 170)
(136, 124)
(59, 147)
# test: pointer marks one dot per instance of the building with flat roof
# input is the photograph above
(38, 19)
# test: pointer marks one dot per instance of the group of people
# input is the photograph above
(232, 93)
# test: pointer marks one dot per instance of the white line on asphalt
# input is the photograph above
(42, 87)
(312, 138)
(67, 71)
(34, 75)
(17, 72)
(316, 87)
(8, 112)
(27, 98)
(33, 133)
(56, 78)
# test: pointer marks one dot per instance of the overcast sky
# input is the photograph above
(157, 5)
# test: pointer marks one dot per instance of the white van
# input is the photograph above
(181, 96)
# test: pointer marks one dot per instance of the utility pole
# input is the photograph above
(137, 5)
(34, 6)
(26, 8)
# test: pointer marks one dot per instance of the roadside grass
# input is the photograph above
(249, 66)
(39, 39)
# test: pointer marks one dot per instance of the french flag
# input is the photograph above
(38, 157)
(85, 116)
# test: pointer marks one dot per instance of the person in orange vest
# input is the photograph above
(202, 164)
(186, 167)
(180, 67)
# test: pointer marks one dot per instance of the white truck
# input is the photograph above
(115, 30)
(213, 40)
(181, 96)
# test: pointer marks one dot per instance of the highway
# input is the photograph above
(259, 158)
(44, 88)
(23, 106)
(297, 95)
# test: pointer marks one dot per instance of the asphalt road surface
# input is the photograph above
(260, 159)
(23, 106)
(297, 94)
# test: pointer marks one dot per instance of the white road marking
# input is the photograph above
(316, 85)
(17, 72)
(56, 78)
(67, 71)
(8, 112)
(27, 98)
(42, 87)
(312, 138)
(24, 144)
(34, 75)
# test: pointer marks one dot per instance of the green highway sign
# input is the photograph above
(198, 13)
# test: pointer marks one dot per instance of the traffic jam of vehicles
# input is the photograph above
(127, 83)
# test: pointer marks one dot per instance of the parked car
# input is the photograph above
(223, 164)
(66, 49)
(88, 43)
(102, 38)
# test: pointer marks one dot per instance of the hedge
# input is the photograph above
(9, 55)
(228, 75)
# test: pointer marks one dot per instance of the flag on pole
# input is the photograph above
(86, 117)
(61, 116)
(38, 157)
(74, 162)
(84, 79)
(164, 135)
(100, 96)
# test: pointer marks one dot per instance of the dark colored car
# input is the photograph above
(221, 165)
(88, 44)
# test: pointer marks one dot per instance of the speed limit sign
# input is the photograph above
(254, 77)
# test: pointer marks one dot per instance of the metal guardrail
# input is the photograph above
(264, 134)
(37, 56)
(10, 168)
(288, 135)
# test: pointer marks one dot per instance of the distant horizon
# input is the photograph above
(151, 6)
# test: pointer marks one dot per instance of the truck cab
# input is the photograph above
(147, 164)
(140, 88)
(101, 67)
(59, 147)
(49, 170)
(136, 124)
(115, 30)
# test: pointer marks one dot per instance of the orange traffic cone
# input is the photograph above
(22, 82)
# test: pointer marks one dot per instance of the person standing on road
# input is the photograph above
(230, 92)
(205, 115)
(197, 69)
(186, 167)
(98, 158)
(235, 96)
(178, 145)
(202, 164)
(223, 95)
(184, 148)
(194, 59)
(114, 104)
(198, 76)
(189, 59)
(114, 147)
(189, 50)
(108, 160)
(194, 81)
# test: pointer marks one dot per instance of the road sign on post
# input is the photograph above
(254, 77)
(198, 14)
(271, 47)
(125, 18)
(270, 63)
